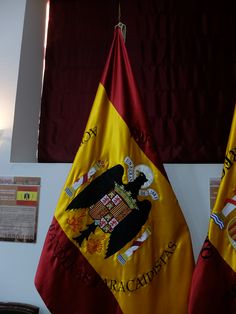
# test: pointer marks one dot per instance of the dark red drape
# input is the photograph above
(183, 55)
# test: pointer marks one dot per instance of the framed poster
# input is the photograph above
(214, 186)
(19, 201)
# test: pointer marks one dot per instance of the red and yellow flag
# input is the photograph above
(118, 242)
(214, 281)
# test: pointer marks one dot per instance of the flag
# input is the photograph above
(213, 288)
(118, 242)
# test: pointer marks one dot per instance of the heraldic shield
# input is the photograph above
(114, 208)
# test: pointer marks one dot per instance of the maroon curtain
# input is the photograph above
(183, 55)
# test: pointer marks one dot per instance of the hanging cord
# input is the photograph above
(120, 24)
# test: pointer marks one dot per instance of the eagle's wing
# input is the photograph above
(97, 188)
(128, 228)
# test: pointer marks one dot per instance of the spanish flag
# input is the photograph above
(213, 287)
(118, 242)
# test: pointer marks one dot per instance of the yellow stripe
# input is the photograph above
(26, 196)
(219, 238)
(156, 260)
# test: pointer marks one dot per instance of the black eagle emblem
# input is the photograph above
(124, 220)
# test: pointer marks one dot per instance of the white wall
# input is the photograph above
(27, 105)
(18, 262)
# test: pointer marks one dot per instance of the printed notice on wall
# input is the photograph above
(214, 186)
(19, 201)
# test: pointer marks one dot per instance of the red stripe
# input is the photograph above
(231, 201)
(28, 188)
(121, 88)
(137, 243)
(27, 203)
(232, 226)
(67, 282)
(213, 284)
(85, 178)
(233, 236)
